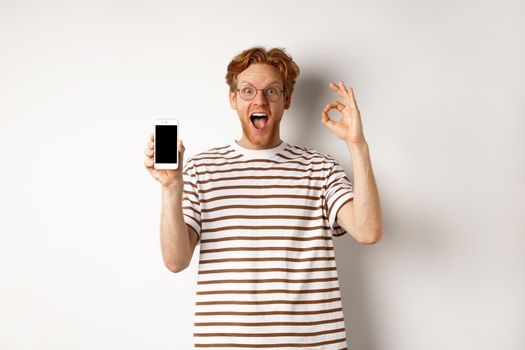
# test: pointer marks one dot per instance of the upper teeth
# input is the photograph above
(259, 114)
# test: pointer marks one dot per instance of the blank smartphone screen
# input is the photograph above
(166, 144)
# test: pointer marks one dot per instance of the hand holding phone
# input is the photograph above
(165, 176)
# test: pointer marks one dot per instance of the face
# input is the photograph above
(262, 132)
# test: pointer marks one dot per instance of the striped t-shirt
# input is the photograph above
(267, 272)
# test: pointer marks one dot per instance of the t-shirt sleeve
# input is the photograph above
(190, 199)
(339, 191)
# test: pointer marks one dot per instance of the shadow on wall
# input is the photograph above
(311, 94)
(412, 238)
(411, 231)
(302, 123)
(357, 307)
(307, 104)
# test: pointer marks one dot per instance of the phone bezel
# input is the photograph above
(165, 121)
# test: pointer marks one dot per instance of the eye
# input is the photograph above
(271, 90)
(248, 90)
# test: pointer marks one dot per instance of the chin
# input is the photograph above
(264, 140)
(259, 140)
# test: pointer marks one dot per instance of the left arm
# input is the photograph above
(361, 217)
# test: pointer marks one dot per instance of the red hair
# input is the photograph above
(275, 57)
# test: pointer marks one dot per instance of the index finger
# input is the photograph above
(341, 91)
(345, 92)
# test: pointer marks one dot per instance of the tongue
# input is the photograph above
(259, 123)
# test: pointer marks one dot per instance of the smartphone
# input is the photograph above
(166, 153)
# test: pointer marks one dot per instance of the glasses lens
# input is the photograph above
(272, 93)
(248, 92)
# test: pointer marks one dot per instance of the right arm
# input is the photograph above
(177, 239)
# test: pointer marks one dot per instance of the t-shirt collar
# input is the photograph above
(258, 153)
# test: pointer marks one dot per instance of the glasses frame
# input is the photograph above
(263, 91)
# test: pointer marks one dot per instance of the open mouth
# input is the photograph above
(259, 120)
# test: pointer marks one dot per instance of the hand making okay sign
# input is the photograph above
(349, 128)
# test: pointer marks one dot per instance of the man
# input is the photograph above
(265, 212)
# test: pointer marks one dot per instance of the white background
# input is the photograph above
(440, 88)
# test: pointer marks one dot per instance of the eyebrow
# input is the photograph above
(271, 83)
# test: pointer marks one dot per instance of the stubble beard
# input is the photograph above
(259, 140)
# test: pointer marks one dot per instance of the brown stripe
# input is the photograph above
(299, 147)
(212, 261)
(313, 154)
(260, 161)
(245, 227)
(192, 209)
(259, 313)
(335, 201)
(269, 280)
(191, 194)
(270, 291)
(218, 188)
(262, 324)
(290, 158)
(190, 183)
(220, 148)
(330, 184)
(241, 249)
(341, 188)
(216, 158)
(266, 238)
(199, 236)
(304, 149)
(275, 206)
(189, 200)
(328, 199)
(297, 345)
(340, 207)
(259, 335)
(192, 218)
(260, 217)
(326, 156)
(257, 196)
(202, 272)
(307, 170)
(267, 302)
(235, 178)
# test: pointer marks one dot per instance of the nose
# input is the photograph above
(260, 98)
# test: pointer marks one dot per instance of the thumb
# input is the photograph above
(329, 123)
(181, 150)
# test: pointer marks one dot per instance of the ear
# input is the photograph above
(287, 101)
(233, 99)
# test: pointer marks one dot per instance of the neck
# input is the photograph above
(246, 143)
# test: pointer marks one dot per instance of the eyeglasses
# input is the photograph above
(272, 93)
